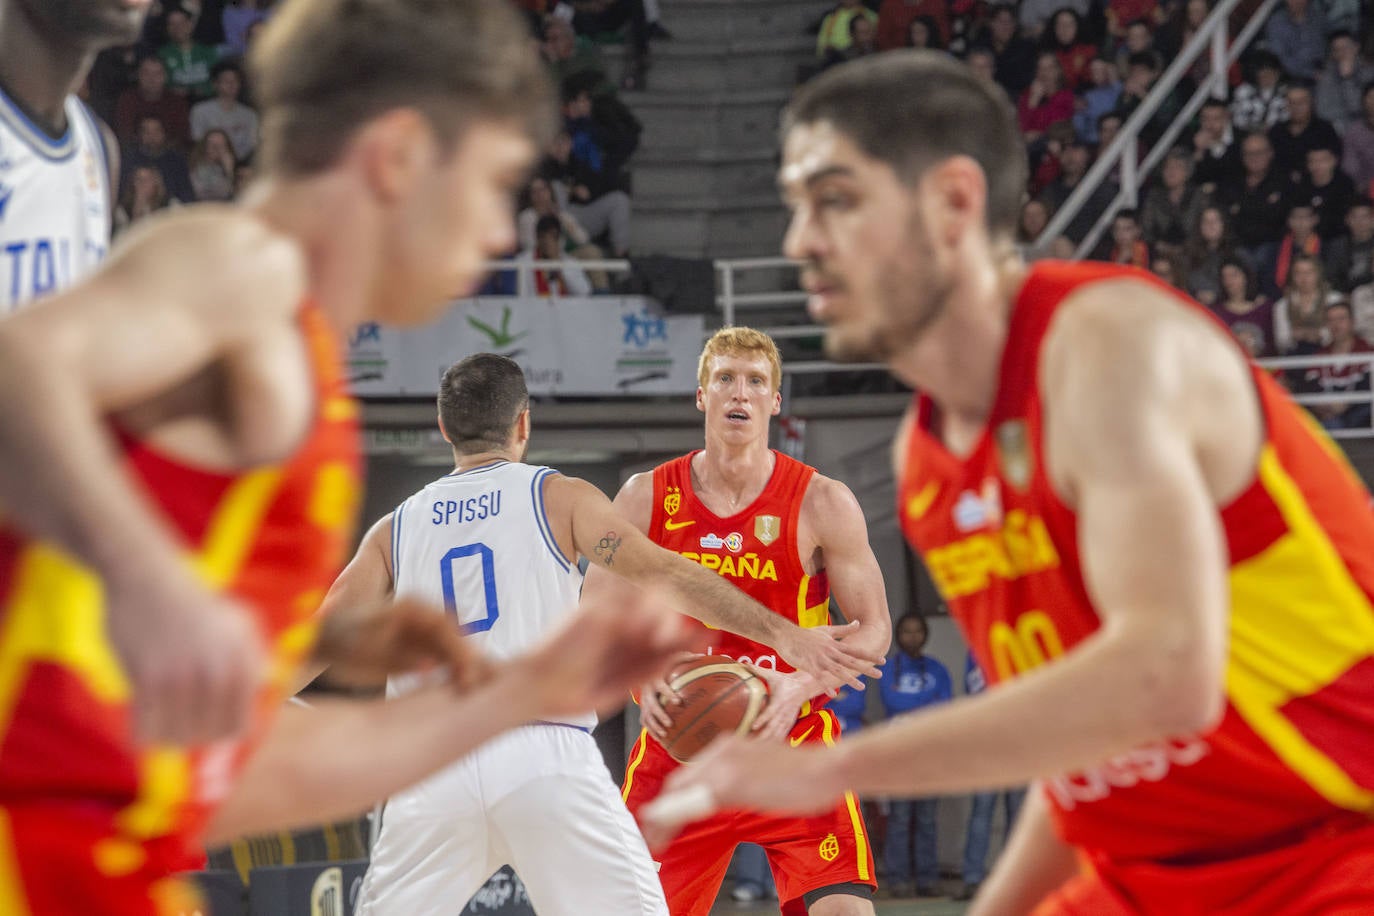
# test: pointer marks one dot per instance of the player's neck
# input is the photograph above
(36, 72)
(463, 462)
(957, 361)
(730, 475)
(338, 240)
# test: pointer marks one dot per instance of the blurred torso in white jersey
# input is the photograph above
(54, 204)
(477, 544)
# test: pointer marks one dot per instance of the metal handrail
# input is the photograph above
(1123, 150)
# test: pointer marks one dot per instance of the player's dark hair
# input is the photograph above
(325, 68)
(913, 109)
(480, 398)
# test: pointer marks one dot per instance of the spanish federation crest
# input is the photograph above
(1014, 454)
(767, 528)
(672, 500)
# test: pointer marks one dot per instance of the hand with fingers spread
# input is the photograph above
(195, 660)
(823, 653)
(368, 644)
(658, 700)
(744, 773)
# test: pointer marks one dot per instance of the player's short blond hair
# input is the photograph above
(739, 341)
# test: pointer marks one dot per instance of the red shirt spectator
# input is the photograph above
(895, 18)
(1046, 100)
(151, 99)
(1065, 38)
(1121, 13)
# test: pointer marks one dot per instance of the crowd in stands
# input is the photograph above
(181, 110)
(1262, 212)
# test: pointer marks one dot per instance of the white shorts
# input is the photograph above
(539, 799)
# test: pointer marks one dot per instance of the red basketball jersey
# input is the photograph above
(273, 536)
(1295, 751)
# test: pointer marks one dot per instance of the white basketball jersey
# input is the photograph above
(54, 204)
(477, 543)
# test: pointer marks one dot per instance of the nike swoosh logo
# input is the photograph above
(673, 526)
(800, 738)
(918, 505)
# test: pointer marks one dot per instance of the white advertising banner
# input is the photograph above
(603, 345)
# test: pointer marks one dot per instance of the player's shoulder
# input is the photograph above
(828, 500)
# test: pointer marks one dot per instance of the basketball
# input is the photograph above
(719, 697)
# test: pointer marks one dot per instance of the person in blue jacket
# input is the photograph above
(912, 681)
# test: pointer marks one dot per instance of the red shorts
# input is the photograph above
(805, 853)
(62, 860)
(1328, 874)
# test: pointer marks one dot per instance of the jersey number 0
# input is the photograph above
(458, 561)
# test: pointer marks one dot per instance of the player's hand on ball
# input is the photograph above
(369, 644)
(738, 773)
(599, 654)
(195, 660)
(786, 695)
(823, 653)
(657, 699)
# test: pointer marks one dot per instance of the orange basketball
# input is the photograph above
(719, 697)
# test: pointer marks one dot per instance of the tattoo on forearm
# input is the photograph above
(605, 548)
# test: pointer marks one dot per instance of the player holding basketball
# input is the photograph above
(788, 537)
(1156, 554)
(177, 447)
(496, 543)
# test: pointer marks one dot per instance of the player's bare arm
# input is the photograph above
(217, 287)
(312, 768)
(612, 537)
(1132, 378)
(832, 519)
(1032, 864)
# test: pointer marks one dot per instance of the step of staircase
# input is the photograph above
(732, 65)
(746, 120)
(721, 174)
(708, 227)
(724, 20)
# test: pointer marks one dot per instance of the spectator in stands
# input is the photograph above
(1328, 190)
(1216, 157)
(1073, 163)
(238, 18)
(1184, 22)
(188, 63)
(588, 195)
(150, 98)
(1296, 32)
(540, 201)
(1348, 256)
(1342, 82)
(144, 194)
(151, 150)
(1300, 316)
(225, 112)
(1340, 331)
(834, 37)
(1035, 15)
(1362, 304)
(1015, 54)
(1065, 38)
(1166, 268)
(1257, 205)
(896, 16)
(1035, 216)
(1172, 205)
(1301, 238)
(911, 680)
(212, 166)
(1209, 246)
(1140, 39)
(591, 17)
(568, 279)
(983, 805)
(923, 33)
(1101, 95)
(983, 62)
(1249, 315)
(1142, 72)
(1121, 13)
(1301, 133)
(1261, 101)
(1127, 245)
(863, 38)
(1045, 101)
(568, 54)
(1357, 156)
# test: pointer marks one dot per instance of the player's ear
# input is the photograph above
(396, 149)
(777, 403)
(960, 194)
(443, 432)
(522, 426)
(701, 399)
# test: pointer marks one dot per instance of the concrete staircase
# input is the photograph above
(704, 175)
